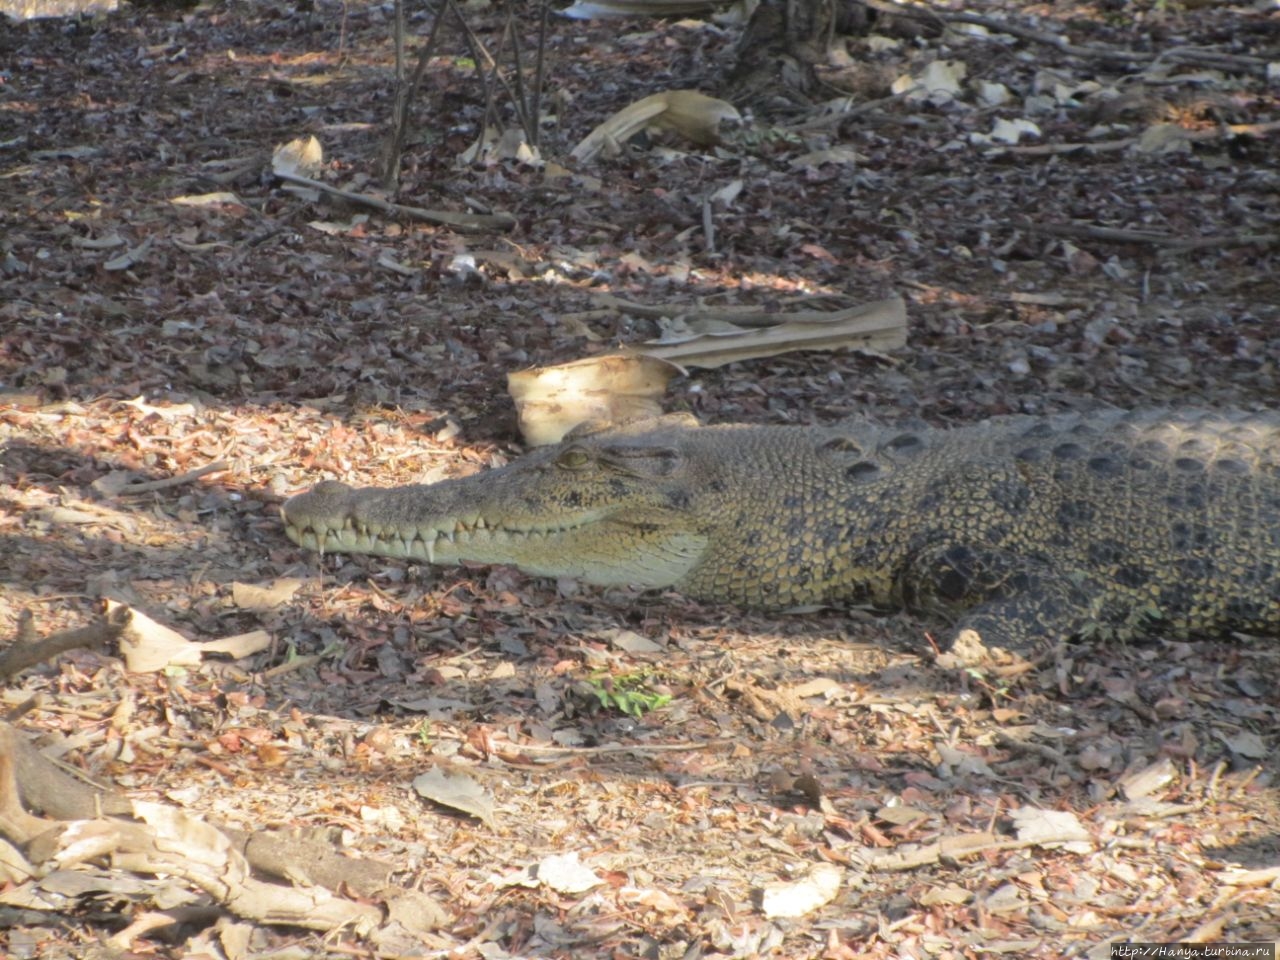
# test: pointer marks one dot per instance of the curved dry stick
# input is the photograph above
(25, 652)
(147, 486)
(462, 222)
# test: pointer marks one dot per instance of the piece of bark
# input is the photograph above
(551, 401)
(693, 115)
(299, 859)
(874, 326)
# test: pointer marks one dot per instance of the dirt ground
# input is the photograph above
(808, 785)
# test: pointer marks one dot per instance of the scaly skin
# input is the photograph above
(1019, 528)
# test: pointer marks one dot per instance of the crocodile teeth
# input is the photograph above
(361, 535)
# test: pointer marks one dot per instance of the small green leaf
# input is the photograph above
(627, 693)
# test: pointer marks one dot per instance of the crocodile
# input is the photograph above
(1014, 530)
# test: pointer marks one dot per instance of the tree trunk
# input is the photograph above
(780, 46)
(784, 42)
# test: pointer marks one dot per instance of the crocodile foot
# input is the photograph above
(968, 651)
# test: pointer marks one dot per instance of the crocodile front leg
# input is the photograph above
(1011, 602)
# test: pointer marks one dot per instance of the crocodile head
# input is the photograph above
(626, 505)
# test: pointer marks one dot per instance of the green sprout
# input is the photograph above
(628, 693)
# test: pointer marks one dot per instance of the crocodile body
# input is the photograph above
(1019, 528)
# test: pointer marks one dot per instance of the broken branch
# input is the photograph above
(1111, 146)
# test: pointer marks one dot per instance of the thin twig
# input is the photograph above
(1053, 149)
(18, 656)
(404, 99)
(522, 106)
(1214, 59)
(1041, 750)
(1063, 45)
(462, 222)
(619, 747)
(1089, 231)
(854, 111)
(397, 36)
(1111, 146)
(34, 702)
(342, 33)
(479, 53)
(539, 77)
(147, 486)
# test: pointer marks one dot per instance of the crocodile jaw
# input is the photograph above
(593, 546)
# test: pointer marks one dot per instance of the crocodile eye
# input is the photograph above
(574, 458)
